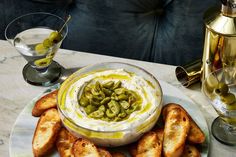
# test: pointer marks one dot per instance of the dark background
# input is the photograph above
(163, 31)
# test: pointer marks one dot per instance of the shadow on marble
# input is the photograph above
(65, 73)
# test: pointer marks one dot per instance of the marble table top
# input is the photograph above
(15, 93)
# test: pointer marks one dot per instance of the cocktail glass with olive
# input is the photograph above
(37, 37)
(220, 89)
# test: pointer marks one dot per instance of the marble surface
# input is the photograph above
(21, 137)
(15, 93)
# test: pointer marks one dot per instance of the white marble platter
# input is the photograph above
(23, 130)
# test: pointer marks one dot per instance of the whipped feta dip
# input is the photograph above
(150, 94)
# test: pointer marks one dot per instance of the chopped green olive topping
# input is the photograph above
(108, 84)
(105, 100)
(114, 106)
(95, 101)
(107, 92)
(98, 86)
(120, 91)
(102, 108)
(97, 114)
(89, 109)
(122, 113)
(109, 101)
(122, 97)
(124, 104)
(84, 101)
(110, 114)
(134, 107)
(117, 85)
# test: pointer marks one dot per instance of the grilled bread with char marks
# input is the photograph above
(133, 149)
(190, 151)
(195, 134)
(150, 144)
(65, 142)
(103, 152)
(85, 148)
(49, 124)
(117, 154)
(176, 129)
(46, 102)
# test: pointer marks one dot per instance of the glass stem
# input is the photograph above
(227, 127)
(43, 70)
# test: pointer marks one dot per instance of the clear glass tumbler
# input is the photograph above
(37, 37)
(220, 89)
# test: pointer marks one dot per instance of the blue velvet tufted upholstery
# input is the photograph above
(163, 31)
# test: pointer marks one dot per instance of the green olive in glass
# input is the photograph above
(55, 37)
(40, 49)
(223, 88)
(47, 43)
(231, 106)
(228, 98)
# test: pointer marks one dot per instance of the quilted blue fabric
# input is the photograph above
(163, 31)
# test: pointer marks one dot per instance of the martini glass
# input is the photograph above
(220, 89)
(37, 37)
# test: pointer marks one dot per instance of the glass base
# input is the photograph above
(223, 132)
(47, 78)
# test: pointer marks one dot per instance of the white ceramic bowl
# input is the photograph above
(112, 133)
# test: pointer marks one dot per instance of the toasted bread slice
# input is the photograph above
(176, 129)
(84, 148)
(118, 154)
(46, 132)
(46, 102)
(195, 134)
(104, 153)
(190, 151)
(65, 142)
(150, 144)
(133, 149)
(160, 134)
